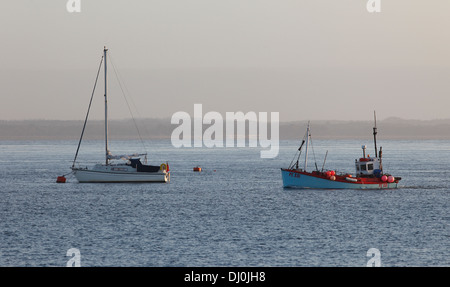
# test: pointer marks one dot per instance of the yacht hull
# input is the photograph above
(104, 176)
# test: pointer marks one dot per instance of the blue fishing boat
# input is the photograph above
(369, 171)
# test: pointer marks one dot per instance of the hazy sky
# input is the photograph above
(306, 59)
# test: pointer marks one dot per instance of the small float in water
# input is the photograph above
(197, 169)
(61, 179)
(369, 172)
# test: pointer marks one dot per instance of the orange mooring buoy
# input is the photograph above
(197, 168)
(60, 179)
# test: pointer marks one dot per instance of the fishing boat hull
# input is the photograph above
(105, 174)
(299, 179)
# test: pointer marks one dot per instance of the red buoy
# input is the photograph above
(197, 168)
(60, 179)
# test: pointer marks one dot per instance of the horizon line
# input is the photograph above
(168, 118)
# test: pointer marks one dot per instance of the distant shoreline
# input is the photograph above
(391, 128)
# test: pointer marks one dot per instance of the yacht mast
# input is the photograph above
(106, 110)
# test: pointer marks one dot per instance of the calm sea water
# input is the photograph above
(234, 213)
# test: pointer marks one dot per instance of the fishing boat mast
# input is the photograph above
(307, 142)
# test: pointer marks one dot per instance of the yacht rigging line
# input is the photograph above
(128, 105)
(87, 114)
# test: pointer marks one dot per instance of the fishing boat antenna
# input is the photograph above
(324, 160)
(375, 133)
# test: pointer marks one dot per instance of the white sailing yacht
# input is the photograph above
(132, 170)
